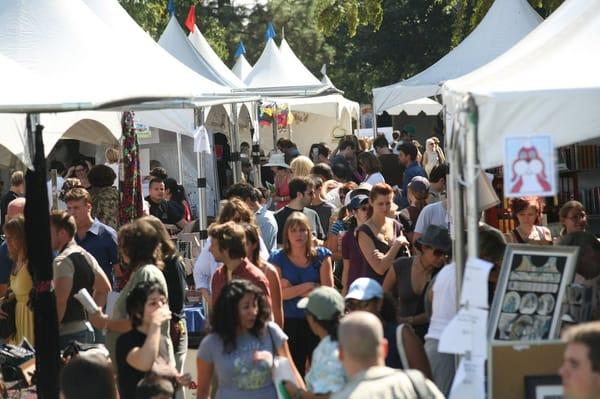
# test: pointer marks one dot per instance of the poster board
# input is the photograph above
(510, 363)
(530, 291)
(529, 166)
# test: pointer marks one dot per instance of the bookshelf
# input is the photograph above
(578, 179)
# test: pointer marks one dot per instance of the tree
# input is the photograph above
(332, 14)
(152, 16)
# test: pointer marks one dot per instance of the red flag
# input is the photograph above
(190, 21)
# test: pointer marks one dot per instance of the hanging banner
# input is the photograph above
(529, 166)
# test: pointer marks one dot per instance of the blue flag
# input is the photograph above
(241, 50)
(171, 7)
(270, 33)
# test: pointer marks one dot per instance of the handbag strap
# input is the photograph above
(417, 380)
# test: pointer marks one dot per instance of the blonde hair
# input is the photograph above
(301, 166)
(16, 228)
(294, 220)
(112, 154)
(435, 145)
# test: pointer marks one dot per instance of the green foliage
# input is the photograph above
(332, 14)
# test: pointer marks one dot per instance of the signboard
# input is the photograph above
(366, 116)
(530, 292)
(529, 166)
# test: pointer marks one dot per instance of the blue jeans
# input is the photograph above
(84, 337)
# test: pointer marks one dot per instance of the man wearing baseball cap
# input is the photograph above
(324, 307)
(367, 294)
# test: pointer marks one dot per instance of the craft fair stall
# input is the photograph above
(518, 111)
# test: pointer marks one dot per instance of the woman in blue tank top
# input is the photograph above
(302, 267)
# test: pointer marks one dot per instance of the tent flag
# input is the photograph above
(270, 32)
(171, 7)
(241, 50)
(190, 21)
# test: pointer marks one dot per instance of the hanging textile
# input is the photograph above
(130, 184)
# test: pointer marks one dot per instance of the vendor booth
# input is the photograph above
(543, 88)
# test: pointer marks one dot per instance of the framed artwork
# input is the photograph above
(531, 288)
(543, 387)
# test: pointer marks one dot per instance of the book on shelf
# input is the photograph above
(579, 156)
(590, 198)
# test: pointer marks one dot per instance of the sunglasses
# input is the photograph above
(437, 252)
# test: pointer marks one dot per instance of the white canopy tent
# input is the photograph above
(66, 43)
(412, 108)
(506, 22)
(318, 118)
(242, 67)
(546, 84)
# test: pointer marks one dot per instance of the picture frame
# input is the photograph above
(543, 387)
(531, 288)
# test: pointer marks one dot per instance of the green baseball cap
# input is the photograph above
(323, 303)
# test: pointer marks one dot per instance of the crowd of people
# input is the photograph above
(340, 277)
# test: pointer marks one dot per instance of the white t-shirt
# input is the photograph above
(444, 301)
(435, 214)
(375, 178)
(59, 183)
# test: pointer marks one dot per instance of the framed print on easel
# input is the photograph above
(530, 292)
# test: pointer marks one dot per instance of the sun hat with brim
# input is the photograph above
(358, 201)
(323, 303)
(364, 289)
(277, 159)
(436, 237)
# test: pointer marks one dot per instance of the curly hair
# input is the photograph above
(226, 326)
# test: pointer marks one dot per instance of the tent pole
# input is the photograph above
(455, 202)
(201, 182)
(179, 166)
(235, 143)
(274, 125)
(256, 146)
(374, 122)
(472, 173)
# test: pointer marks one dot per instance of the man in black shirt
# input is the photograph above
(17, 189)
(301, 194)
(159, 207)
(391, 169)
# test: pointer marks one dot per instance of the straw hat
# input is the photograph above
(277, 159)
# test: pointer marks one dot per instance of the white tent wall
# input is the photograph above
(315, 129)
(165, 151)
(547, 83)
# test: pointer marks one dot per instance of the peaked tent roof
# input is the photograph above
(272, 70)
(212, 59)
(546, 84)
(241, 68)
(175, 42)
(296, 66)
(64, 41)
(506, 22)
